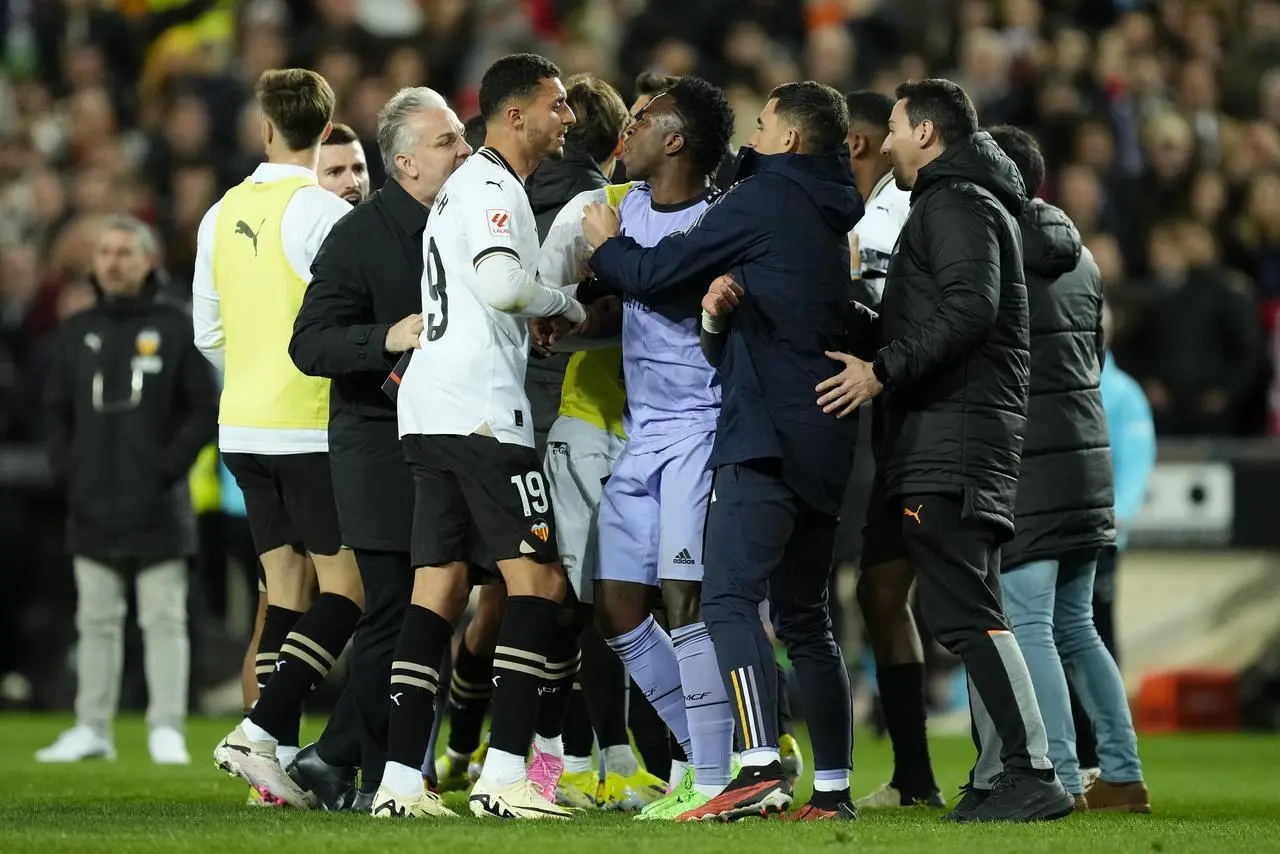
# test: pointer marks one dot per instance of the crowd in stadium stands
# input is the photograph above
(1160, 120)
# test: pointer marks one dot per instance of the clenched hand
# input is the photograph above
(722, 297)
(404, 335)
(599, 223)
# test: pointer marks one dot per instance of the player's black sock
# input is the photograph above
(307, 654)
(603, 678)
(563, 661)
(677, 751)
(519, 664)
(276, 625)
(415, 676)
(903, 702)
(578, 737)
(470, 692)
(828, 800)
(653, 739)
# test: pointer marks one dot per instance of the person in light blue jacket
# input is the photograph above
(1133, 455)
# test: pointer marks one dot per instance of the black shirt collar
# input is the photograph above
(493, 155)
(404, 208)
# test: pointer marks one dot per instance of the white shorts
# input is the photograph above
(580, 458)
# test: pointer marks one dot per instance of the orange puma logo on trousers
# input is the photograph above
(914, 514)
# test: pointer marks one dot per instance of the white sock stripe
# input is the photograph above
(564, 665)
(474, 686)
(414, 667)
(264, 669)
(425, 684)
(267, 656)
(308, 643)
(467, 694)
(519, 668)
(512, 652)
(304, 656)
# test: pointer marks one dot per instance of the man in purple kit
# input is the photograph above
(655, 503)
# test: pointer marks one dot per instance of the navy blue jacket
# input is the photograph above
(782, 231)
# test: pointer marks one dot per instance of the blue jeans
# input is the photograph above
(1050, 605)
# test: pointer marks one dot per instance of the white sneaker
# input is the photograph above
(168, 747)
(76, 744)
(255, 763)
(388, 804)
(523, 799)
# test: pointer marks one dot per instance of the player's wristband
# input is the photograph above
(714, 325)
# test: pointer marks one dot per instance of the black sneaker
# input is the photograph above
(362, 802)
(1021, 797)
(333, 786)
(970, 800)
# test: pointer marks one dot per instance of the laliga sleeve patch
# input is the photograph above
(499, 221)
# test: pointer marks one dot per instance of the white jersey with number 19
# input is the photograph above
(468, 375)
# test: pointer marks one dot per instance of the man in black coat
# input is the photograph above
(1064, 514)
(955, 372)
(361, 310)
(131, 403)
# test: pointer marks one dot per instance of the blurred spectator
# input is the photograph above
(1197, 348)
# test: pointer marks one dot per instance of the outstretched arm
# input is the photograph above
(729, 231)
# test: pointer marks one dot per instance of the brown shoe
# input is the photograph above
(1081, 804)
(1119, 797)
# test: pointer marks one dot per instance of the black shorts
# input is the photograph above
(882, 540)
(289, 501)
(475, 487)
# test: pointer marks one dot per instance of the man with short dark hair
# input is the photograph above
(253, 261)
(955, 372)
(360, 312)
(1065, 508)
(343, 169)
(780, 464)
(467, 433)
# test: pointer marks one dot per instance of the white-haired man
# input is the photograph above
(360, 312)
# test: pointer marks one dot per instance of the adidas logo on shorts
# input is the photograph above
(683, 558)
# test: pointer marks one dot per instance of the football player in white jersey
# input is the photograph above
(884, 585)
(468, 437)
(872, 240)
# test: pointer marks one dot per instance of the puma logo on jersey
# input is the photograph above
(242, 227)
(497, 184)
(913, 514)
(395, 698)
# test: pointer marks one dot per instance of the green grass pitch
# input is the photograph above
(1216, 793)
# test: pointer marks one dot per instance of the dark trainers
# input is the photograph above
(761, 791)
(842, 811)
(970, 800)
(1023, 797)
(333, 786)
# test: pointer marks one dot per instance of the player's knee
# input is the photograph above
(883, 590)
(617, 609)
(442, 589)
(683, 601)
